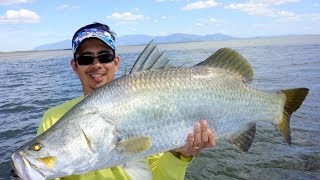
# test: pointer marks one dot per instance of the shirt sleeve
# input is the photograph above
(44, 123)
(50, 117)
(167, 166)
(53, 114)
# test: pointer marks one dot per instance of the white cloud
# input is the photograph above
(199, 24)
(205, 22)
(168, 0)
(200, 5)
(66, 6)
(253, 9)
(275, 2)
(63, 6)
(265, 8)
(156, 21)
(8, 2)
(126, 16)
(20, 16)
(213, 20)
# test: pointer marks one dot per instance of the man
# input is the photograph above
(95, 62)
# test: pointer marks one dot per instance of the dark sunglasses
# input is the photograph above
(88, 59)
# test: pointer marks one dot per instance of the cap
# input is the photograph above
(95, 30)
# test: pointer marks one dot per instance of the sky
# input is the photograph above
(25, 24)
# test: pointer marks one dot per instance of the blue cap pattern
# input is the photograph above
(103, 35)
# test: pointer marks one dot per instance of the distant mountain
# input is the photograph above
(180, 37)
(66, 44)
(136, 39)
(139, 39)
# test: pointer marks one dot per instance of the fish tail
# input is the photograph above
(294, 99)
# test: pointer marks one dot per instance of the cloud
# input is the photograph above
(9, 2)
(200, 5)
(264, 8)
(199, 24)
(213, 20)
(66, 6)
(156, 21)
(126, 16)
(168, 0)
(276, 2)
(205, 22)
(20, 16)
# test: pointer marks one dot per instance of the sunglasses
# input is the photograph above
(88, 59)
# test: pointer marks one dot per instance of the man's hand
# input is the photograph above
(200, 139)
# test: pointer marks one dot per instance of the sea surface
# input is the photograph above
(31, 82)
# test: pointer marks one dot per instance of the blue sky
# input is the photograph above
(25, 24)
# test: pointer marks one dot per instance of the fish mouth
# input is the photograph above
(27, 170)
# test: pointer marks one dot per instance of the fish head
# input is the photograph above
(59, 152)
(29, 168)
(35, 161)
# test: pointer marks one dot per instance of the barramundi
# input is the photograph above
(152, 110)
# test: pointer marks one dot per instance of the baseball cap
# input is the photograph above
(94, 30)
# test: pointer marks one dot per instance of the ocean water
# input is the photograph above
(31, 82)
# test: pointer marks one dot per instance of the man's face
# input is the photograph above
(95, 74)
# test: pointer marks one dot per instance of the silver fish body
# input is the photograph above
(148, 112)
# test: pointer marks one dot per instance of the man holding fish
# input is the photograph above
(95, 63)
(124, 124)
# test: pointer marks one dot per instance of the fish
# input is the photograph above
(151, 110)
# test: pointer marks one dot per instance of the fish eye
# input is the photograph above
(36, 147)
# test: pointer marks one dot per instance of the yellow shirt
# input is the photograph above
(164, 165)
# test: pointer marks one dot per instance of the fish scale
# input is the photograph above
(188, 98)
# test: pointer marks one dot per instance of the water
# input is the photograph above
(31, 82)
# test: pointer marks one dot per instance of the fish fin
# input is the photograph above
(134, 145)
(137, 170)
(294, 99)
(151, 58)
(231, 60)
(244, 139)
(88, 142)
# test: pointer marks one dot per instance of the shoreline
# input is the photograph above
(253, 39)
(233, 43)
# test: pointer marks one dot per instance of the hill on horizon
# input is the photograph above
(139, 39)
